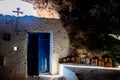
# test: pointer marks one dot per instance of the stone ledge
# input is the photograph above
(75, 71)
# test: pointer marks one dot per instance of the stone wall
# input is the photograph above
(15, 63)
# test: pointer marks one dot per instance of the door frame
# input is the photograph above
(51, 50)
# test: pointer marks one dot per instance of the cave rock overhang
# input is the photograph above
(29, 8)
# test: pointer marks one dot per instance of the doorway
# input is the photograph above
(38, 53)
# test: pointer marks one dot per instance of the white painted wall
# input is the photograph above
(16, 62)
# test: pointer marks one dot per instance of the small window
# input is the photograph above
(1, 61)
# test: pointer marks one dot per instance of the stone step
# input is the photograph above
(46, 77)
(51, 77)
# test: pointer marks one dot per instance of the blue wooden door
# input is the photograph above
(32, 54)
(43, 52)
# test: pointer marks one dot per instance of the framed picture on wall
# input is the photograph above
(87, 60)
(94, 62)
(1, 61)
(108, 62)
(60, 60)
(64, 60)
(101, 63)
(7, 37)
(78, 60)
(68, 59)
(73, 59)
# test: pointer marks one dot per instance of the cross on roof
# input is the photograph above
(18, 11)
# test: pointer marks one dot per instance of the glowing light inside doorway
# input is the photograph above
(8, 6)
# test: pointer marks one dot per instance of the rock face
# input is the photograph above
(87, 22)
(45, 8)
(15, 62)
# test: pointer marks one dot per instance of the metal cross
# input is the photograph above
(18, 12)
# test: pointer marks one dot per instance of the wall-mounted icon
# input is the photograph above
(6, 37)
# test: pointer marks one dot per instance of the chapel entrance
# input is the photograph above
(38, 53)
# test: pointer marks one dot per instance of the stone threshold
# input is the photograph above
(46, 76)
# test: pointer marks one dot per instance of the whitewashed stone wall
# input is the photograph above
(16, 62)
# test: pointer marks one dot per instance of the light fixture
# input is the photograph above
(15, 48)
